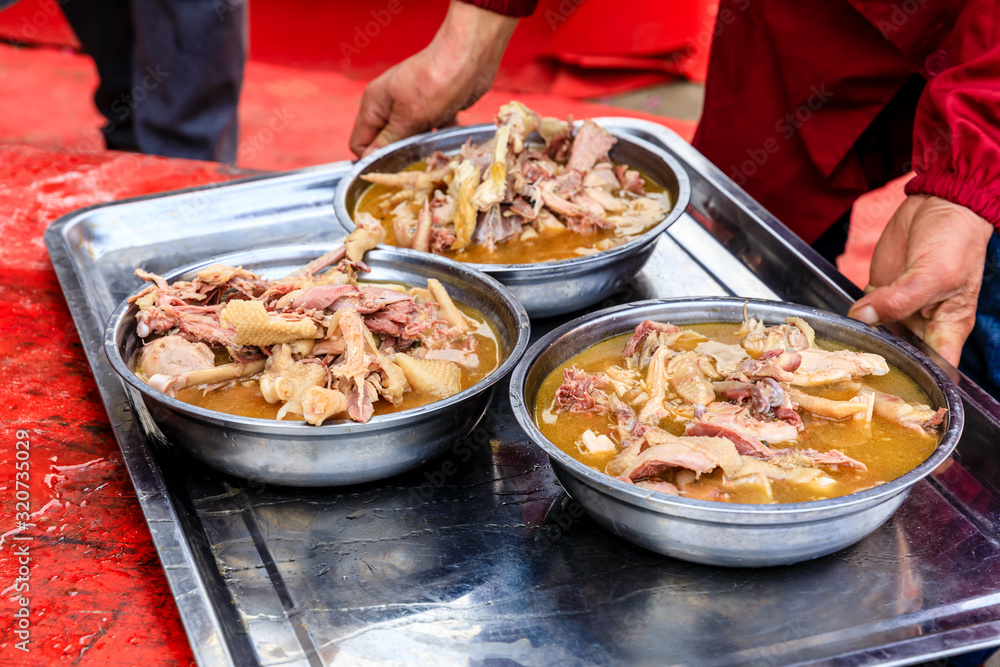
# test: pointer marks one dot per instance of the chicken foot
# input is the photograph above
(171, 384)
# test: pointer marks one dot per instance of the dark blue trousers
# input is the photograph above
(170, 70)
(981, 354)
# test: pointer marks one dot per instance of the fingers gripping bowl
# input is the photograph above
(550, 287)
(729, 533)
(338, 452)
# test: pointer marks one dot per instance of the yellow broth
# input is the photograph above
(542, 248)
(887, 449)
(245, 399)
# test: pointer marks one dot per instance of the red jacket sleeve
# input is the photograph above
(956, 142)
(514, 8)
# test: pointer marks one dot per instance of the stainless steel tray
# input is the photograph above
(479, 557)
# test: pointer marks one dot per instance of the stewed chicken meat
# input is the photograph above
(509, 200)
(317, 344)
(738, 413)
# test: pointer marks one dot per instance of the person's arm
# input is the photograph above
(928, 264)
(428, 89)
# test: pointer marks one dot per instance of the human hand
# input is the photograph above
(428, 89)
(926, 272)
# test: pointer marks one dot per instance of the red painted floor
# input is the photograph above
(289, 118)
(96, 588)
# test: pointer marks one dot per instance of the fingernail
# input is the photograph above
(866, 314)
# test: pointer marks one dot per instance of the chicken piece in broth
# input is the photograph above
(512, 201)
(737, 412)
(316, 345)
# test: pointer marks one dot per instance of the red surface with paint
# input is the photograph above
(97, 590)
(289, 118)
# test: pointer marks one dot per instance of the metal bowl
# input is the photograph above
(718, 533)
(340, 452)
(544, 288)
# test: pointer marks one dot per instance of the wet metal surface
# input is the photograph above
(479, 557)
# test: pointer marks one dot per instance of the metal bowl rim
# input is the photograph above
(726, 511)
(572, 264)
(342, 426)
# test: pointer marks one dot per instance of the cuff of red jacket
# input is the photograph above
(513, 8)
(978, 198)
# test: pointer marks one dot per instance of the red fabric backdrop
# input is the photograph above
(569, 47)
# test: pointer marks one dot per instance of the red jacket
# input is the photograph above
(792, 84)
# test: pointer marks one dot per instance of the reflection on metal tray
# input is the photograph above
(479, 556)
